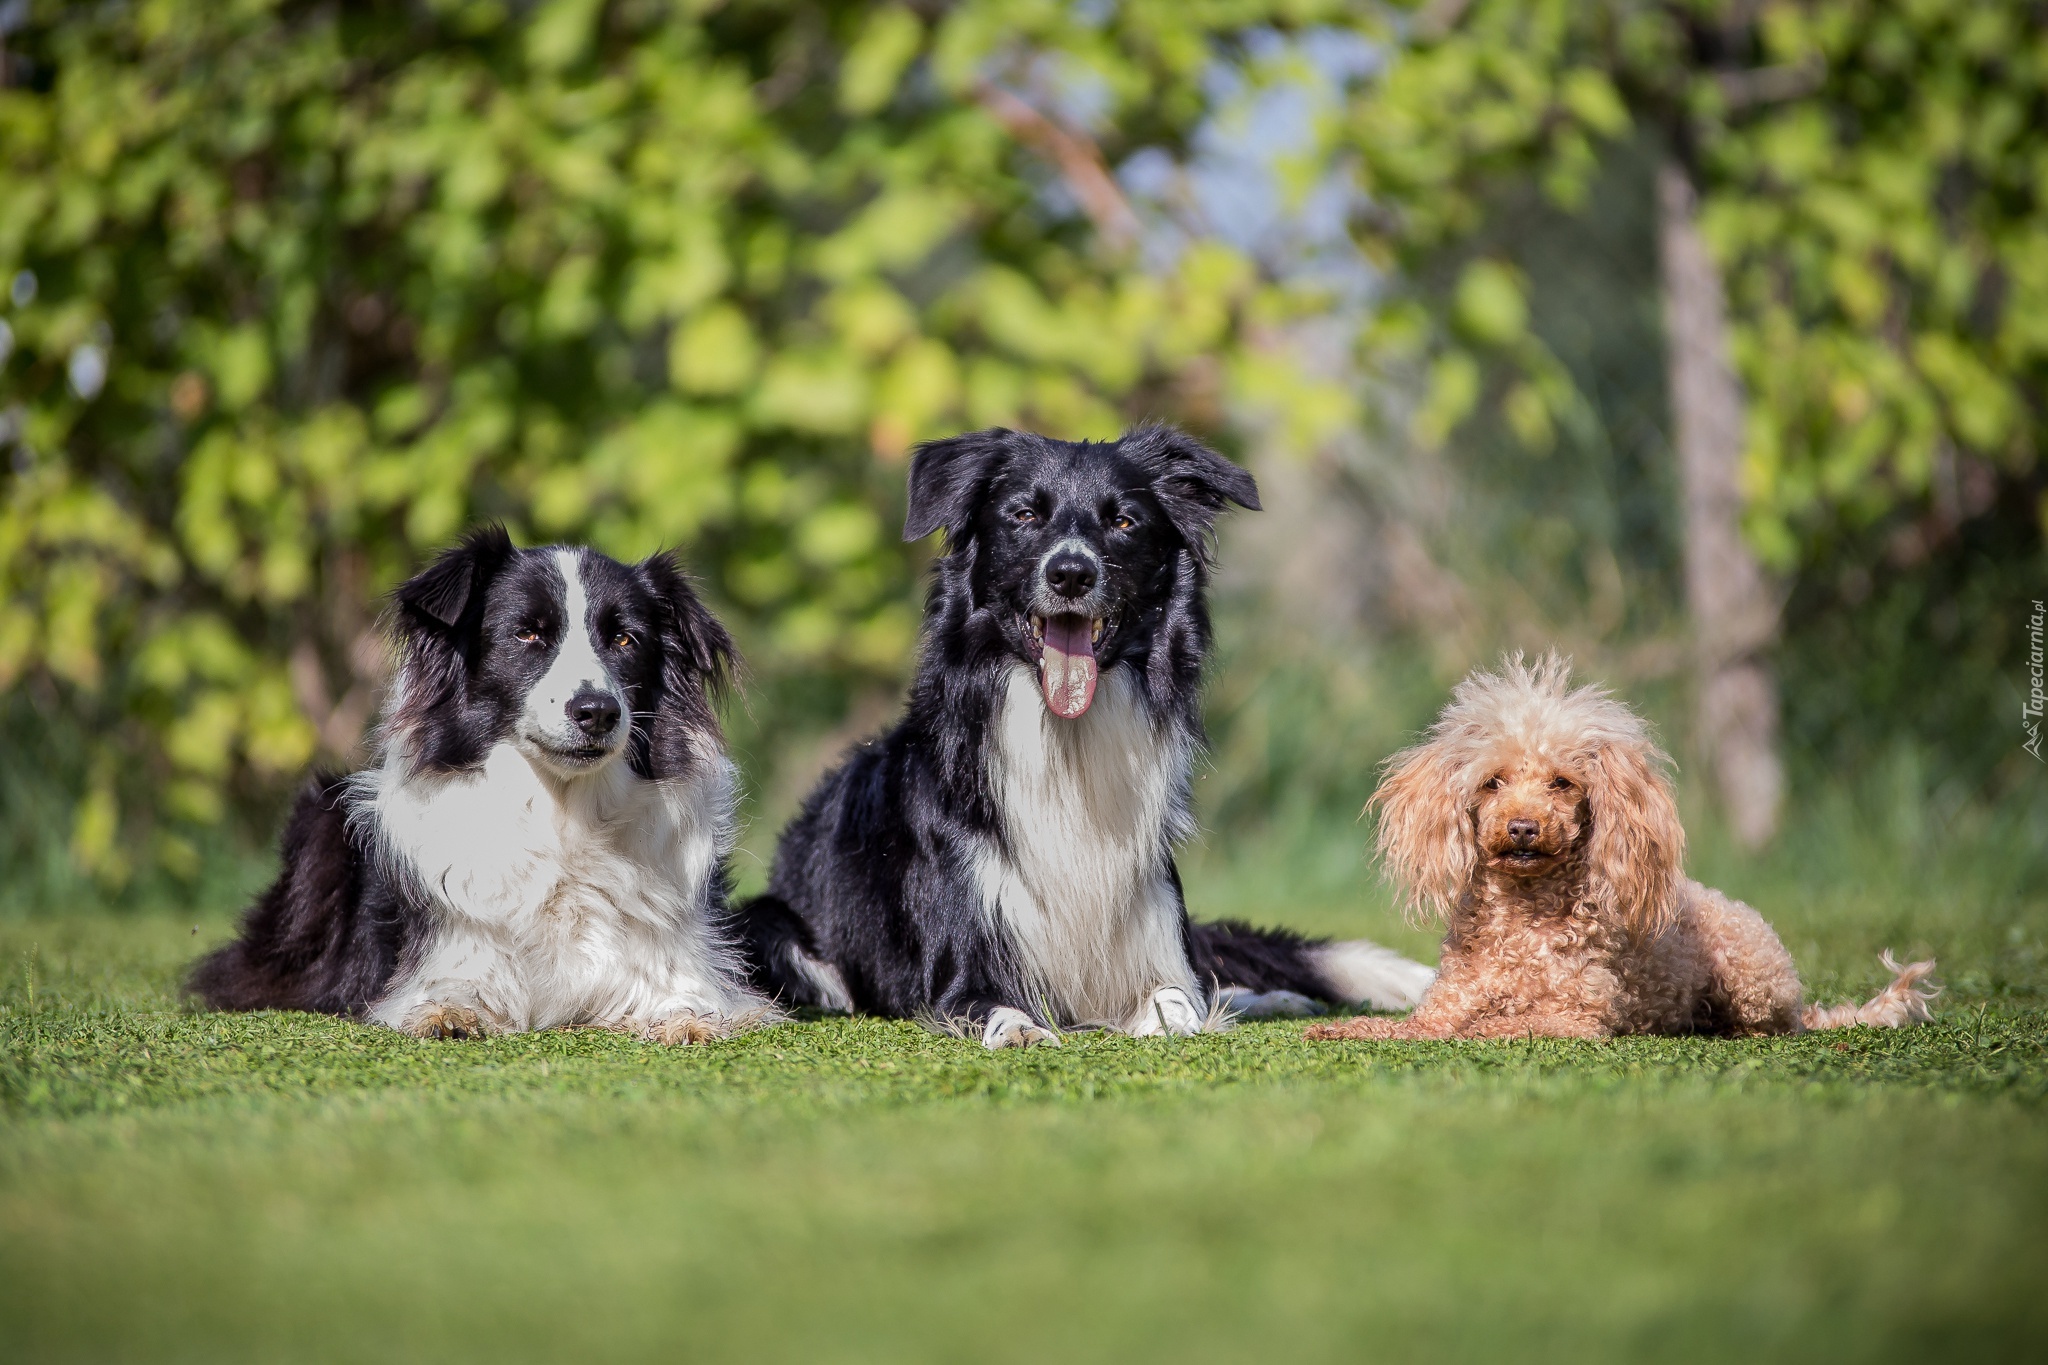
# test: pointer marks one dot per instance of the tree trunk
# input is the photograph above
(1734, 606)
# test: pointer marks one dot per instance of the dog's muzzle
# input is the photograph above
(1065, 623)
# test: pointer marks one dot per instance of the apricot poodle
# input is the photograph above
(1537, 821)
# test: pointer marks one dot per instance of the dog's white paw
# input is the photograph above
(683, 1028)
(1250, 1004)
(1013, 1028)
(434, 1020)
(1167, 1010)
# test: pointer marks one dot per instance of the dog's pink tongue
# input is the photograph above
(1067, 667)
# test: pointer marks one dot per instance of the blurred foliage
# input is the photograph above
(298, 290)
(294, 291)
(1873, 176)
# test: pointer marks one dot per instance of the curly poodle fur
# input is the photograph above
(1537, 822)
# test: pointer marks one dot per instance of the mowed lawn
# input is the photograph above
(182, 1186)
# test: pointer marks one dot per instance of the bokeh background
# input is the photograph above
(1704, 339)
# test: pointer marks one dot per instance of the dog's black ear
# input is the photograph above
(437, 617)
(437, 597)
(1190, 480)
(699, 656)
(946, 477)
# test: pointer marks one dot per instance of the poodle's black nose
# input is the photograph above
(1523, 832)
(596, 713)
(1070, 574)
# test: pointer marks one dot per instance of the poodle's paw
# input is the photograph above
(1366, 1026)
(1168, 1010)
(445, 1021)
(1009, 1027)
(1248, 1004)
(684, 1028)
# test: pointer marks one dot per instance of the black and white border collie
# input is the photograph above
(544, 841)
(1002, 860)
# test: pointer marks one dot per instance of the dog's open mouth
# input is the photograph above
(1066, 660)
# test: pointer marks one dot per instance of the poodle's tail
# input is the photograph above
(1905, 1001)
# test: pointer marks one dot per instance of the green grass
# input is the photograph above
(176, 1185)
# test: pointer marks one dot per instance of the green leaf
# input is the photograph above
(874, 64)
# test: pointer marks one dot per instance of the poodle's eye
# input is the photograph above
(1123, 523)
(1024, 516)
(623, 640)
(1563, 784)
(1492, 784)
(526, 635)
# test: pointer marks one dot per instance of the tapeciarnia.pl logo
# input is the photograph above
(2030, 710)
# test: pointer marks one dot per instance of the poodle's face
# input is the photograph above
(1523, 776)
(1529, 816)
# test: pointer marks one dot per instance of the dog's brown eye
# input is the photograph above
(526, 635)
(1024, 516)
(1563, 784)
(1124, 523)
(623, 640)
(1491, 784)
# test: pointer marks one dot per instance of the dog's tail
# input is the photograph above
(782, 962)
(1905, 1001)
(1274, 971)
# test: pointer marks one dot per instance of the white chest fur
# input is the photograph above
(580, 901)
(1080, 889)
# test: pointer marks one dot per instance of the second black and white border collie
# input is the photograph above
(1002, 860)
(544, 841)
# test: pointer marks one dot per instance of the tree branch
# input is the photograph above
(1075, 155)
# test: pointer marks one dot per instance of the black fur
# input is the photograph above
(328, 935)
(1233, 953)
(871, 877)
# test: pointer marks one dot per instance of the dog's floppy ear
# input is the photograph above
(1192, 482)
(437, 616)
(698, 653)
(1638, 844)
(1426, 841)
(946, 477)
(436, 599)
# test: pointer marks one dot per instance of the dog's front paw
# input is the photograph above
(683, 1028)
(1364, 1027)
(1013, 1028)
(1167, 1010)
(445, 1021)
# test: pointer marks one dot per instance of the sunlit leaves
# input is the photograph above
(874, 64)
(653, 274)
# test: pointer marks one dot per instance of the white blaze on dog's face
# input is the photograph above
(573, 719)
(1529, 815)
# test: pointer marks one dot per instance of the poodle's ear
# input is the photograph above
(1426, 841)
(1638, 844)
(946, 481)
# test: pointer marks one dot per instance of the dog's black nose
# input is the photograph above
(1070, 574)
(1523, 832)
(596, 713)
